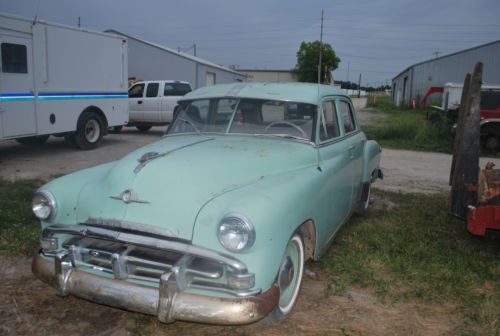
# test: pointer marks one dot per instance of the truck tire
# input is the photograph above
(143, 128)
(89, 131)
(33, 140)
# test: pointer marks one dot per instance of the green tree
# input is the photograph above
(306, 68)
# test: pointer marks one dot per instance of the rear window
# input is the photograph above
(176, 89)
(14, 58)
(490, 100)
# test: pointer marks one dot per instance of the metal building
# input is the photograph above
(269, 76)
(151, 61)
(415, 81)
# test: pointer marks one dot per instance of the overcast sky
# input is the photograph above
(378, 38)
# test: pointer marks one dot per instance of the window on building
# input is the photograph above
(152, 90)
(14, 58)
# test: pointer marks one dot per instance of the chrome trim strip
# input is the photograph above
(116, 224)
(184, 248)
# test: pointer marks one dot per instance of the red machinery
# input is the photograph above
(475, 193)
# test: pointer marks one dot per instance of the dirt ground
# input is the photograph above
(29, 307)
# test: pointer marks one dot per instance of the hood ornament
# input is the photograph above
(129, 196)
(149, 156)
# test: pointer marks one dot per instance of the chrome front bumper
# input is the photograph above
(168, 303)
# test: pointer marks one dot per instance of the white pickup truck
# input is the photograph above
(152, 103)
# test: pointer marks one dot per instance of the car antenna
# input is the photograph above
(319, 75)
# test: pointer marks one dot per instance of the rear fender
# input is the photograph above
(371, 161)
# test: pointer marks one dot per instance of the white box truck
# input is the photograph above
(60, 80)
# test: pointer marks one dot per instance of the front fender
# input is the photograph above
(276, 205)
(66, 190)
(371, 160)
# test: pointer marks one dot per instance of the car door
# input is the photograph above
(334, 164)
(172, 91)
(151, 103)
(17, 98)
(135, 102)
(355, 141)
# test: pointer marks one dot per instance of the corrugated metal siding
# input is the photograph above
(451, 68)
(146, 62)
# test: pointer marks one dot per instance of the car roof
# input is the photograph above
(162, 80)
(297, 92)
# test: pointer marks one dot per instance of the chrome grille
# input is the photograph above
(127, 261)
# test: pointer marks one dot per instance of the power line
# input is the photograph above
(417, 24)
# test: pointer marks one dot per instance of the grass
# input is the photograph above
(410, 251)
(416, 251)
(19, 228)
(405, 128)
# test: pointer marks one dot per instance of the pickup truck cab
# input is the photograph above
(152, 103)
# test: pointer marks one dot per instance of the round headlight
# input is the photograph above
(236, 233)
(44, 205)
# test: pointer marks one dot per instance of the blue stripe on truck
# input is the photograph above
(62, 96)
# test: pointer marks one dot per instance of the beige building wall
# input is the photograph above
(269, 76)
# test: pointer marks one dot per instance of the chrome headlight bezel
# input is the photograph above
(232, 223)
(50, 201)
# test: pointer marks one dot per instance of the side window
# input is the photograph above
(347, 116)
(14, 58)
(329, 127)
(136, 91)
(176, 89)
(152, 90)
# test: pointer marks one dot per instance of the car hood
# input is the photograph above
(169, 190)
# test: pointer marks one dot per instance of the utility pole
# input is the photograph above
(359, 86)
(194, 46)
(79, 25)
(320, 49)
(348, 71)
(436, 54)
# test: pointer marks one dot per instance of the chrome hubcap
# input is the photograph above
(92, 130)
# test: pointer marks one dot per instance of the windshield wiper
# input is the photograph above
(285, 136)
(190, 123)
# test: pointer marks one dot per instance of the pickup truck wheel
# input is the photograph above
(33, 140)
(288, 280)
(491, 142)
(143, 128)
(89, 131)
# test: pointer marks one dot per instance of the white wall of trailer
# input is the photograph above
(69, 70)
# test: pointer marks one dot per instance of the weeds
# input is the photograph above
(19, 229)
(404, 128)
(418, 251)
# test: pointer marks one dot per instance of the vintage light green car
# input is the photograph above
(212, 223)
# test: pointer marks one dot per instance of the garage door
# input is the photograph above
(210, 79)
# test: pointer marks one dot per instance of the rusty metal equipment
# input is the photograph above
(475, 193)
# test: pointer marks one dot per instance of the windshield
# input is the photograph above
(245, 116)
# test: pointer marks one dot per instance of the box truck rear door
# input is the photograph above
(17, 96)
